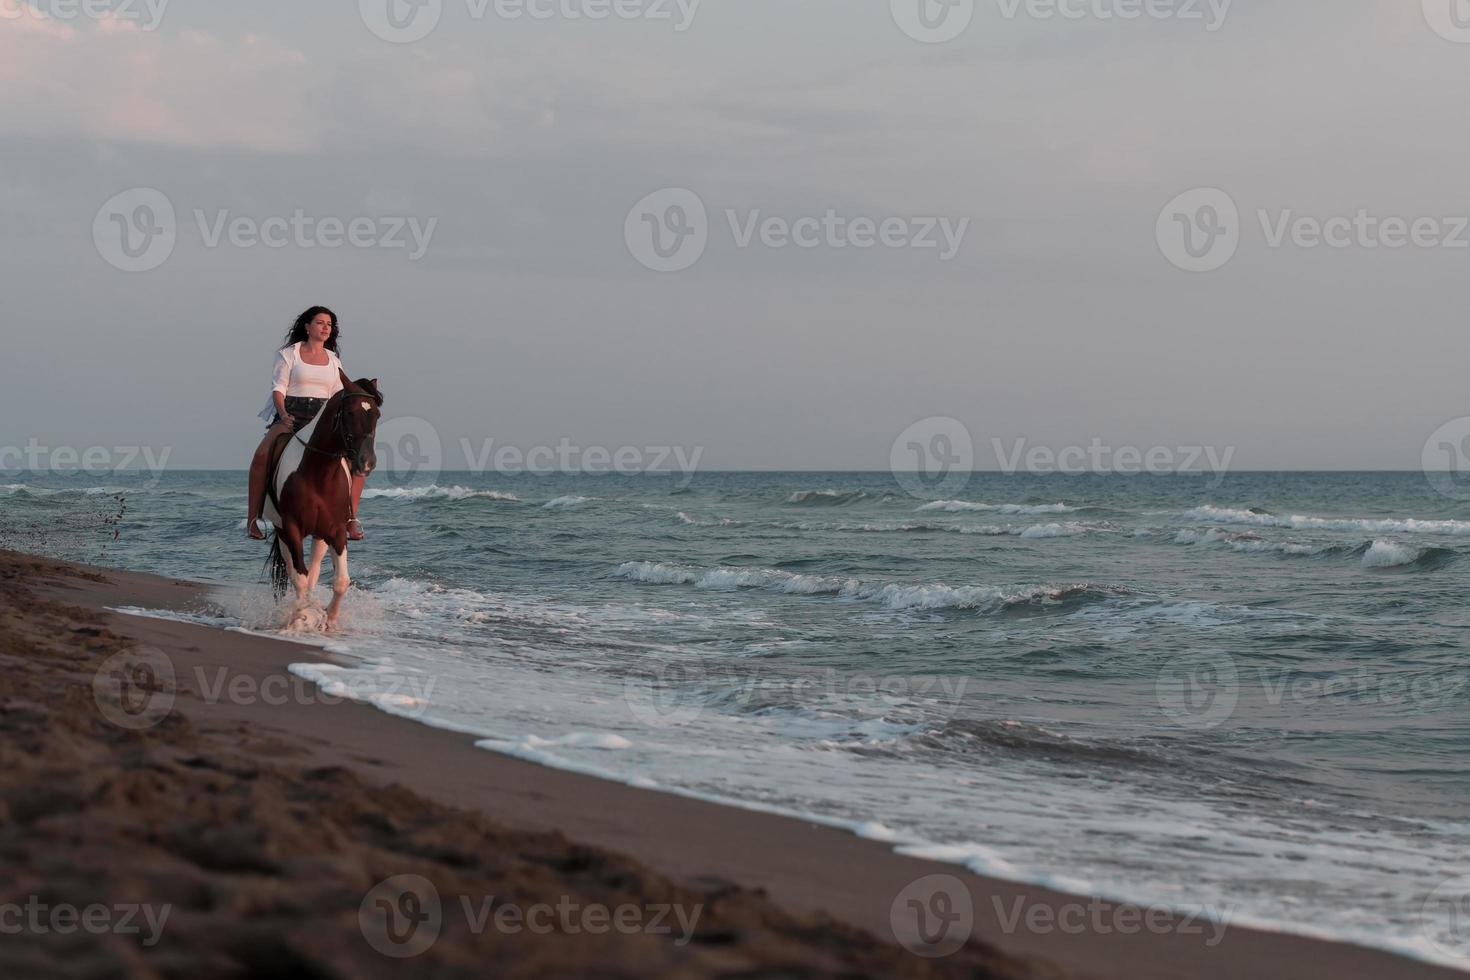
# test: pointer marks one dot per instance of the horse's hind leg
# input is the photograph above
(340, 583)
(318, 552)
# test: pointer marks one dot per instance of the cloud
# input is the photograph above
(108, 79)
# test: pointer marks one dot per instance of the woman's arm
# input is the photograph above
(280, 381)
(340, 382)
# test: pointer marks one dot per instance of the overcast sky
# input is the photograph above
(1046, 146)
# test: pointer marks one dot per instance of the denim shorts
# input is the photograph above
(301, 410)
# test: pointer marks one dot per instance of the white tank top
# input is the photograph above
(313, 381)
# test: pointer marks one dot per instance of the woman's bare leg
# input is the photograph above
(354, 527)
(258, 465)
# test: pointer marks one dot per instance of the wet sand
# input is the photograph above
(175, 768)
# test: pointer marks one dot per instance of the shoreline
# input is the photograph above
(808, 868)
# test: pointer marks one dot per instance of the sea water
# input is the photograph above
(1247, 697)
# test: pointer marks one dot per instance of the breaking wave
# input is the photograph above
(436, 492)
(1252, 544)
(1260, 518)
(1383, 553)
(825, 498)
(960, 506)
(893, 595)
(566, 503)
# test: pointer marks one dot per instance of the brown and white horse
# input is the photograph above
(310, 493)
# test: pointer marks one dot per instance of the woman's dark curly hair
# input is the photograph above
(297, 333)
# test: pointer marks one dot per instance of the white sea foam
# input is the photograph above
(1054, 530)
(827, 497)
(1244, 543)
(690, 519)
(436, 492)
(566, 503)
(960, 506)
(940, 597)
(57, 491)
(1405, 525)
(893, 595)
(1067, 530)
(1390, 554)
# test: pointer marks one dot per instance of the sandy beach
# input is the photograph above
(242, 822)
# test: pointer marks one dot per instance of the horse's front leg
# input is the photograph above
(340, 583)
(290, 543)
(318, 552)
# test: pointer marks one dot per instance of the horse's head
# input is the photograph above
(358, 416)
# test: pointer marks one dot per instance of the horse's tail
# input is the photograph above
(279, 571)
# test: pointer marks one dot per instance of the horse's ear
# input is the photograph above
(369, 387)
(346, 381)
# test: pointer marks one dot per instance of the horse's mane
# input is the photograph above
(369, 387)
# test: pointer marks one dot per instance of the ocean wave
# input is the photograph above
(825, 498)
(566, 503)
(1032, 531)
(1065, 530)
(57, 491)
(893, 595)
(1260, 518)
(960, 506)
(1390, 554)
(1131, 614)
(1252, 544)
(1384, 553)
(972, 737)
(692, 521)
(436, 492)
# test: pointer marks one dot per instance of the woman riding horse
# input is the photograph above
(308, 372)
